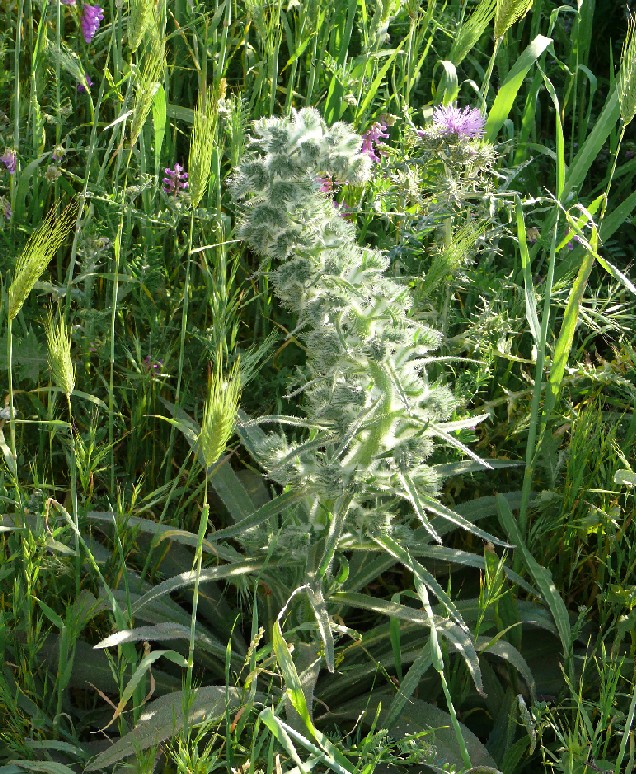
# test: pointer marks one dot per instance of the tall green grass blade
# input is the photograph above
(507, 94)
(605, 125)
(531, 303)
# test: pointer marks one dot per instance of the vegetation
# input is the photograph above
(319, 430)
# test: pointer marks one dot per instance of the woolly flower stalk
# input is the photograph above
(38, 251)
(202, 144)
(219, 415)
(60, 362)
(365, 381)
(627, 75)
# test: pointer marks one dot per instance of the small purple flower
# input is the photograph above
(92, 15)
(151, 365)
(68, 2)
(370, 139)
(175, 180)
(462, 122)
(325, 184)
(82, 88)
(9, 159)
(58, 152)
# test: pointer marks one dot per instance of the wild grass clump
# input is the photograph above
(317, 440)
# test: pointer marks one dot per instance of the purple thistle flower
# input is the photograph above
(82, 88)
(374, 135)
(91, 17)
(175, 180)
(462, 122)
(9, 159)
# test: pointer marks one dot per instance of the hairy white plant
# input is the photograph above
(366, 384)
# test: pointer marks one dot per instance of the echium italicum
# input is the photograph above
(367, 395)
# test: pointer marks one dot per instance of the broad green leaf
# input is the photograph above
(164, 631)
(164, 718)
(592, 146)
(625, 478)
(449, 85)
(140, 672)
(542, 577)
(612, 222)
(409, 684)
(508, 653)
(188, 578)
(459, 521)
(47, 767)
(272, 508)
(508, 92)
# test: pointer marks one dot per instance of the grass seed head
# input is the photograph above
(219, 415)
(507, 13)
(471, 30)
(152, 69)
(627, 75)
(38, 251)
(60, 362)
(202, 144)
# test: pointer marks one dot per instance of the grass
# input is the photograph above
(188, 587)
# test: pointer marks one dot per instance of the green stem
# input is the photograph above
(184, 323)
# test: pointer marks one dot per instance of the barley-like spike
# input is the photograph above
(140, 18)
(507, 13)
(202, 144)
(219, 414)
(38, 251)
(60, 362)
(150, 77)
(627, 75)
(471, 30)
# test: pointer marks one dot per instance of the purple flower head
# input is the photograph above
(68, 2)
(371, 138)
(58, 153)
(82, 88)
(91, 17)
(175, 180)
(9, 159)
(464, 122)
(151, 365)
(325, 184)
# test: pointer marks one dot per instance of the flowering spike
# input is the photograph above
(175, 180)
(372, 144)
(92, 15)
(9, 159)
